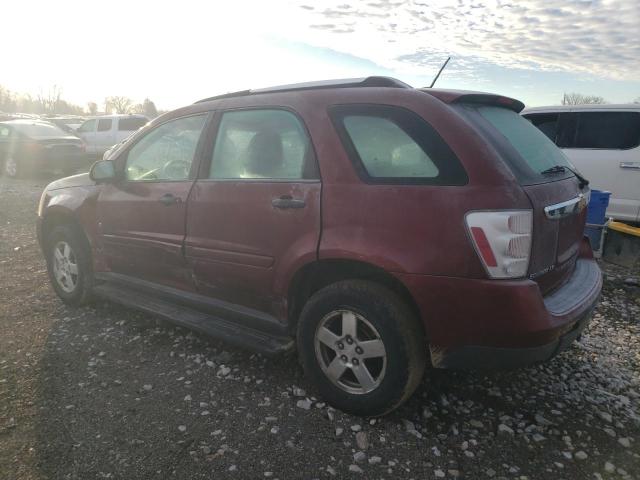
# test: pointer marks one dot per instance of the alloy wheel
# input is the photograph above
(65, 267)
(350, 352)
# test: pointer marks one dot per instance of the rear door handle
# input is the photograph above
(287, 201)
(630, 165)
(169, 199)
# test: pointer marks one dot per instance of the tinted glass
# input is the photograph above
(104, 124)
(39, 130)
(607, 130)
(394, 145)
(534, 152)
(547, 123)
(254, 144)
(386, 150)
(165, 153)
(131, 124)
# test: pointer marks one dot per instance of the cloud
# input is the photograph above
(594, 37)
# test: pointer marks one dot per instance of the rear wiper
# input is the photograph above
(583, 182)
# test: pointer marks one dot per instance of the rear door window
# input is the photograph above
(262, 144)
(104, 124)
(606, 130)
(131, 124)
(394, 145)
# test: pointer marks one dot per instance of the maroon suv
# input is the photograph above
(375, 227)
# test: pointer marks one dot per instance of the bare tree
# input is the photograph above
(92, 107)
(580, 99)
(50, 101)
(118, 104)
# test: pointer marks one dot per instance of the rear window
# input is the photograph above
(131, 124)
(527, 150)
(39, 130)
(394, 145)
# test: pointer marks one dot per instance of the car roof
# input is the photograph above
(583, 108)
(446, 96)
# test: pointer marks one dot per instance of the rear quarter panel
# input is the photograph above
(408, 228)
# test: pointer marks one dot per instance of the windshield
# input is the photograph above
(39, 130)
(527, 150)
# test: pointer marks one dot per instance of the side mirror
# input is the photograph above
(103, 171)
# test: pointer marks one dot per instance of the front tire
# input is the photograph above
(11, 167)
(362, 347)
(69, 265)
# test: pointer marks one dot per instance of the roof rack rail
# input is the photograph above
(374, 81)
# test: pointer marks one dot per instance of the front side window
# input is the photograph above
(88, 126)
(104, 124)
(394, 145)
(165, 153)
(262, 144)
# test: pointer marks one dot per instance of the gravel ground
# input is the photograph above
(104, 392)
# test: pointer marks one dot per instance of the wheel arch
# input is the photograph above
(318, 274)
(60, 216)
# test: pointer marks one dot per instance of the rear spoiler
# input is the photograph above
(461, 96)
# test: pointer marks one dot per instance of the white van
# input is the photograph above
(101, 133)
(603, 142)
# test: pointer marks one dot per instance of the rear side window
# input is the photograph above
(394, 145)
(607, 130)
(131, 124)
(262, 144)
(104, 124)
(527, 150)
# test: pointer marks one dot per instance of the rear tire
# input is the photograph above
(69, 265)
(362, 347)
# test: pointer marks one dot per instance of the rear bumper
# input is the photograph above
(494, 358)
(492, 324)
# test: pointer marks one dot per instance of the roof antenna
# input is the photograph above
(439, 72)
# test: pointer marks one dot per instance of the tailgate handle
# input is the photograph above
(287, 201)
(630, 165)
(564, 209)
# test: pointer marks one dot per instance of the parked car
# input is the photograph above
(69, 124)
(101, 133)
(375, 227)
(603, 142)
(34, 146)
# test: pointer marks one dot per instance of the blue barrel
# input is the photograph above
(596, 211)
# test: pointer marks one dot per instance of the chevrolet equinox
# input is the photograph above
(371, 226)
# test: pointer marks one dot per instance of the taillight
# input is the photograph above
(502, 240)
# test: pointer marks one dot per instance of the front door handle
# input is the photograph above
(287, 201)
(169, 199)
(630, 165)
